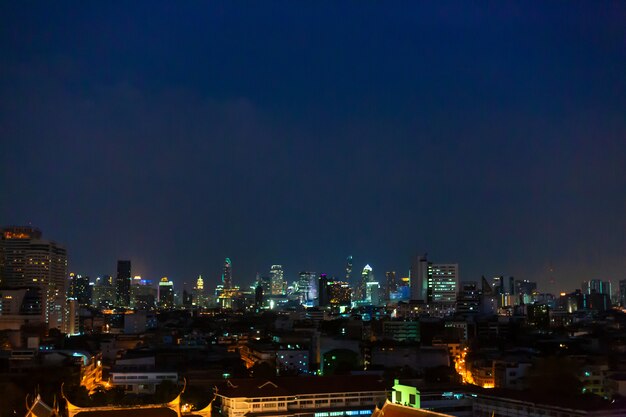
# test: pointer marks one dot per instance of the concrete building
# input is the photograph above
(301, 397)
(27, 260)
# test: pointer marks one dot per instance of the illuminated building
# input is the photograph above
(334, 396)
(71, 317)
(442, 283)
(622, 293)
(199, 298)
(468, 301)
(348, 269)
(339, 293)
(27, 260)
(597, 286)
(122, 284)
(103, 293)
(166, 293)
(80, 289)
(227, 274)
(307, 287)
(367, 275)
(277, 281)
(372, 293)
(143, 295)
(401, 331)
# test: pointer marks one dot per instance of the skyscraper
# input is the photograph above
(348, 268)
(227, 275)
(122, 284)
(166, 293)
(390, 284)
(278, 283)
(308, 286)
(367, 275)
(443, 283)
(419, 278)
(27, 260)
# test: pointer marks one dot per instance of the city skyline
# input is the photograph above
(491, 137)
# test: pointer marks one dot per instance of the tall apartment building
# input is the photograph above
(27, 260)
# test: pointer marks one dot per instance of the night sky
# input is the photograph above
(492, 134)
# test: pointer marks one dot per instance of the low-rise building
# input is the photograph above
(301, 396)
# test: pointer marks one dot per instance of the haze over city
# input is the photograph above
(284, 134)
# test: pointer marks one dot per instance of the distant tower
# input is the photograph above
(278, 283)
(419, 278)
(390, 284)
(227, 275)
(166, 293)
(198, 293)
(366, 276)
(348, 268)
(122, 284)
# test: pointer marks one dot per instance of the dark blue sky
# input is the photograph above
(492, 134)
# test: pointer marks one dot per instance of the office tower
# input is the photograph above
(103, 292)
(525, 290)
(258, 295)
(187, 299)
(468, 300)
(143, 295)
(323, 298)
(79, 289)
(227, 275)
(348, 268)
(166, 293)
(199, 299)
(391, 284)
(307, 286)
(339, 293)
(367, 275)
(497, 283)
(278, 283)
(442, 283)
(372, 293)
(27, 260)
(597, 286)
(122, 284)
(419, 278)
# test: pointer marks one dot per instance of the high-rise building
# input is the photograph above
(622, 293)
(227, 275)
(103, 292)
(442, 283)
(143, 295)
(348, 268)
(27, 260)
(122, 284)
(307, 286)
(79, 289)
(419, 278)
(391, 284)
(323, 297)
(597, 286)
(367, 275)
(199, 298)
(339, 293)
(372, 293)
(278, 282)
(166, 293)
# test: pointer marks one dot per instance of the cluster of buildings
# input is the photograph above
(316, 347)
